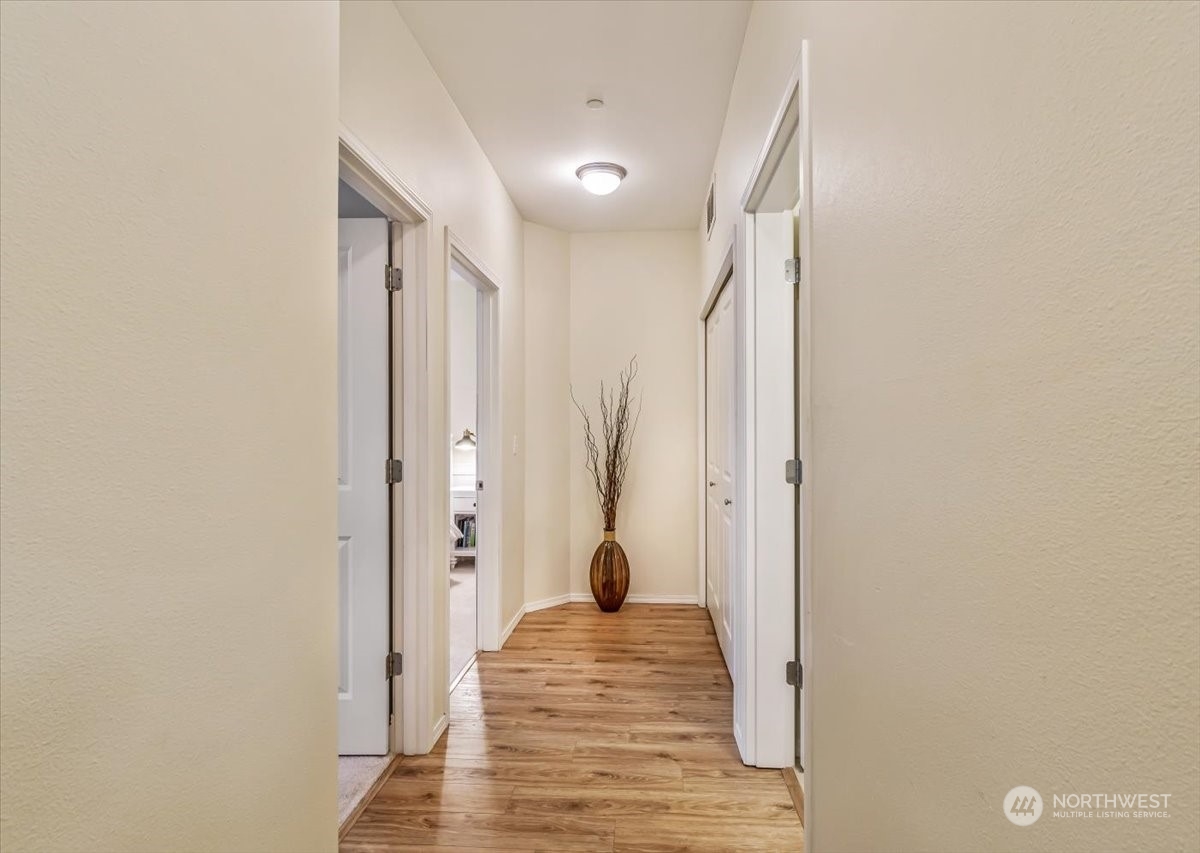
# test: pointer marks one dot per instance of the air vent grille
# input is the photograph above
(710, 207)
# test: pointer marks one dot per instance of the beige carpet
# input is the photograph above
(462, 615)
(356, 774)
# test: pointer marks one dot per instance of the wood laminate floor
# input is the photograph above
(589, 731)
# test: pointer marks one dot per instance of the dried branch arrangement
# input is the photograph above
(618, 423)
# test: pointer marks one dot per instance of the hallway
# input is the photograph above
(589, 731)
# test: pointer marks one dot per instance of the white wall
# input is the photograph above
(547, 413)
(592, 302)
(168, 593)
(393, 101)
(463, 320)
(1005, 469)
(633, 294)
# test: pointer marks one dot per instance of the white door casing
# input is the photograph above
(363, 544)
(774, 618)
(489, 438)
(799, 395)
(712, 582)
(803, 377)
(720, 442)
(418, 720)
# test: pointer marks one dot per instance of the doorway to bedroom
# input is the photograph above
(463, 307)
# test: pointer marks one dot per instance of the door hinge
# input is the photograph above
(393, 278)
(793, 471)
(395, 664)
(791, 270)
(795, 673)
(395, 471)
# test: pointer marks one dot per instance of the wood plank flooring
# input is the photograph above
(589, 731)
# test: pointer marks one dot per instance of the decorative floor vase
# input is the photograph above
(610, 574)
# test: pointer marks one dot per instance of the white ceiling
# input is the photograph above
(520, 73)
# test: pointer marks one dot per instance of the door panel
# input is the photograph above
(363, 583)
(728, 442)
(714, 588)
(719, 476)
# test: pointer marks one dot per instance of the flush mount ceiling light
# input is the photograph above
(600, 178)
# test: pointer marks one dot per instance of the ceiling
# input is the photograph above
(521, 72)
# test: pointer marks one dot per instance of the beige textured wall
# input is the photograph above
(168, 324)
(547, 413)
(1006, 469)
(394, 102)
(631, 293)
(592, 301)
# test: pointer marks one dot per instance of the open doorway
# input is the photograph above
(463, 310)
(365, 253)
(777, 223)
(473, 448)
(385, 640)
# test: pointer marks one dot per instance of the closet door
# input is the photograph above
(719, 454)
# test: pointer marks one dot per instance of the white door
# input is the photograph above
(719, 455)
(363, 582)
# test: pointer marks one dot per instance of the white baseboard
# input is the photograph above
(511, 626)
(547, 602)
(438, 730)
(642, 598)
(661, 599)
(739, 738)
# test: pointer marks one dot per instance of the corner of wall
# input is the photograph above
(547, 379)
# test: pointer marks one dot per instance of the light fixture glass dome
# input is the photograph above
(600, 178)
(467, 442)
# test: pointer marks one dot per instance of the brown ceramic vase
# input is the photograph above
(610, 574)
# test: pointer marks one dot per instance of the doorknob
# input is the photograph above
(711, 483)
(728, 501)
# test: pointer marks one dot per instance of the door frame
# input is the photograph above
(771, 587)
(722, 280)
(412, 633)
(732, 274)
(489, 443)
